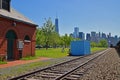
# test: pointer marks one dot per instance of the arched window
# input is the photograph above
(27, 39)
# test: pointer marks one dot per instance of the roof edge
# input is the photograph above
(18, 20)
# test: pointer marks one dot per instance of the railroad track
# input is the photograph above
(70, 70)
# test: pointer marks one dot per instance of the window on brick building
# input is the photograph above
(27, 39)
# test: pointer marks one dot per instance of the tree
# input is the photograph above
(65, 40)
(46, 35)
(40, 37)
(103, 43)
(55, 39)
(93, 44)
(48, 29)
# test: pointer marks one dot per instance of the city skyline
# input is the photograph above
(94, 36)
(88, 15)
(109, 33)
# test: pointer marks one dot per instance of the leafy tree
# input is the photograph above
(103, 43)
(55, 39)
(93, 44)
(46, 36)
(39, 37)
(48, 29)
(65, 40)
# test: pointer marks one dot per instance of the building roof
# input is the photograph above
(13, 14)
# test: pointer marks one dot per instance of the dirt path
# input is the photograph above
(20, 62)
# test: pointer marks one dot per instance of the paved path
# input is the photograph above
(20, 62)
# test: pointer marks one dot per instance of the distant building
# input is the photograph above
(71, 35)
(93, 34)
(94, 37)
(112, 41)
(109, 34)
(88, 37)
(116, 39)
(56, 25)
(99, 35)
(76, 32)
(104, 36)
(119, 39)
(81, 35)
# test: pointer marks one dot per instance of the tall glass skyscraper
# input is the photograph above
(81, 35)
(76, 32)
(88, 37)
(94, 36)
(56, 25)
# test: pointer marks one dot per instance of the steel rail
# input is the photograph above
(22, 77)
(67, 73)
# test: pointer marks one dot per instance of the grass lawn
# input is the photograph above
(1, 62)
(52, 52)
(97, 49)
(55, 53)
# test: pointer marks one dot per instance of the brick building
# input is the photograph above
(17, 33)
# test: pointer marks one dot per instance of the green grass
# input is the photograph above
(96, 49)
(3, 62)
(55, 53)
(52, 53)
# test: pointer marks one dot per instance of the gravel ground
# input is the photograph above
(106, 67)
(7, 73)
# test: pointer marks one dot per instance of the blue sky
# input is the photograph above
(88, 15)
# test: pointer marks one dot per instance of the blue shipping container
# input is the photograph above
(80, 48)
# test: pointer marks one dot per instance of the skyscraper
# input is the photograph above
(81, 35)
(99, 35)
(76, 32)
(93, 36)
(56, 25)
(88, 37)
(104, 36)
(109, 34)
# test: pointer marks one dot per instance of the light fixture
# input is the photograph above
(14, 23)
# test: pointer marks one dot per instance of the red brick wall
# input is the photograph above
(3, 45)
(21, 30)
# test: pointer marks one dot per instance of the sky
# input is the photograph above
(88, 15)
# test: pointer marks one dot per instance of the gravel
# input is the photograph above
(106, 67)
(10, 72)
